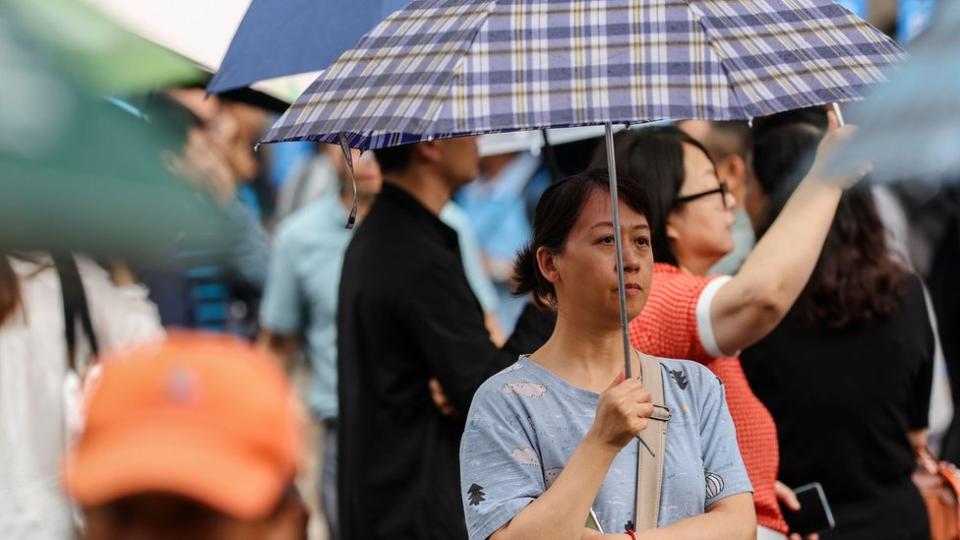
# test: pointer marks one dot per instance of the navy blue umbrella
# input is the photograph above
(286, 37)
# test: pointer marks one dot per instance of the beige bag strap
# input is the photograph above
(652, 450)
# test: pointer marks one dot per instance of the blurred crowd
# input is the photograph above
(844, 376)
(373, 345)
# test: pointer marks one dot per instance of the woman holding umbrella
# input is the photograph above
(709, 318)
(548, 437)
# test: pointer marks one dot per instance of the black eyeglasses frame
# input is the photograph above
(723, 190)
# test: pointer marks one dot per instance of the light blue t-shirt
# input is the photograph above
(525, 423)
(303, 285)
(302, 288)
(497, 209)
(480, 282)
(743, 241)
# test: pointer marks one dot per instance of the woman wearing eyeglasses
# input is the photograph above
(711, 318)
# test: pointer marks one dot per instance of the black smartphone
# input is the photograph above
(814, 515)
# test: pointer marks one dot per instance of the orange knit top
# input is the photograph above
(675, 324)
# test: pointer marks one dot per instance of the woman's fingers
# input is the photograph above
(645, 409)
(832, 121)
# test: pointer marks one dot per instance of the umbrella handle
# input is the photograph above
(348, 156)
(618, 243)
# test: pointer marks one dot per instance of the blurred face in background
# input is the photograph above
(204, 160)
(231, 128)
(235, 129)
(203, 165)
(702, 227)
(366, 171)
(458, 160)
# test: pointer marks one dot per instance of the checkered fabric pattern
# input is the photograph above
(445, 67)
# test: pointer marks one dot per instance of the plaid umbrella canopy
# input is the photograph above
(443, 68)
(456, 67)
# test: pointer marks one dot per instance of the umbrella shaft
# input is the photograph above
(618, 243)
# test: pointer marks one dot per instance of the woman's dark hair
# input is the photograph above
(9, 288)
(653, 157)
(556, 214)
(855, 279)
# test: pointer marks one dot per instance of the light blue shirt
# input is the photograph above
(743, 241)
(525, 423)
(304, 282)
(497, 209)
(302, 288)
(480, 282)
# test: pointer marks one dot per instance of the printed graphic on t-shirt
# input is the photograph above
(714, 484)
(679, 377)
(476, 495)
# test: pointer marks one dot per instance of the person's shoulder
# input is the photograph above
(688, 373)
(913, 313)
(305, 222)
(668, 280)
(514, 373)
(914, 287)
(686, 365)
(516, 380)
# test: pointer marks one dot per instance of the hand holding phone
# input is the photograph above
(814, 515)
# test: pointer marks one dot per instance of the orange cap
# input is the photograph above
(202, 416)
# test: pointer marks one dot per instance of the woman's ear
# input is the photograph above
(428, 151)
(733, 170)
(547, 262)
(672, 229)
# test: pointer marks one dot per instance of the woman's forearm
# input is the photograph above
(753, 302)
(561, 511)
(733, 518)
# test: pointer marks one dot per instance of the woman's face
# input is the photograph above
(700, 228)
(584, 274)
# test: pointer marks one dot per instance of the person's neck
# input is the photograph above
(425, 186)
(492, 166)
(583, 353)
(698, 266)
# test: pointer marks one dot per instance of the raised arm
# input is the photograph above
(752, 303)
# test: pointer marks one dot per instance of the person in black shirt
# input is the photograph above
(847, 375)
(407, 315)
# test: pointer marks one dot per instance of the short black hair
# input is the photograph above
(783, 155)
(726, 137)
(556, 214)
(815, 116)
(653, 157)
(394, 159)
